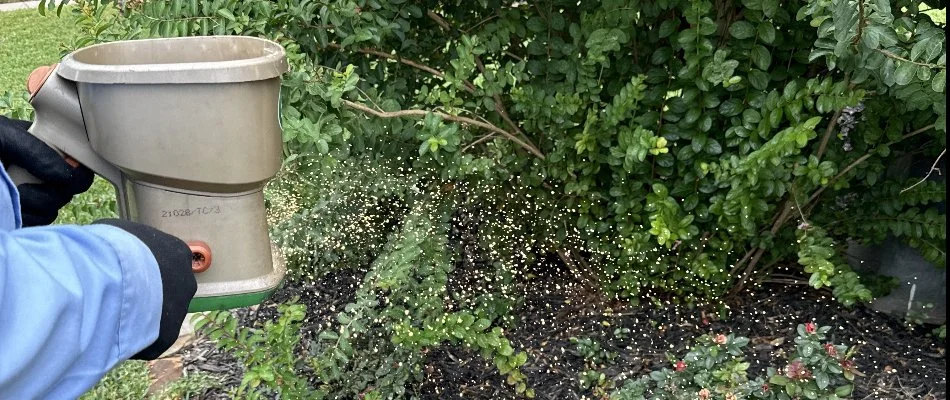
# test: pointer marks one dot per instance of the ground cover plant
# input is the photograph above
(447, 154)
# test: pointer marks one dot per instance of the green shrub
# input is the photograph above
(673, 146)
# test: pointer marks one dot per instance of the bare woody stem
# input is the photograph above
(897, 57)
(479, 140)
(449, 117)
(931, 171)
(499, 105)
(468, 86)
(863, 159)
(754, 255)
(828, 131)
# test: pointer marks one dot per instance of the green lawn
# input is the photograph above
(29, 40)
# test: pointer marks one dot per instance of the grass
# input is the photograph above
(130, 380)
(29, 40)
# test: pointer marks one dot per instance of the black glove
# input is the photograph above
(178, 282)
(40, 202)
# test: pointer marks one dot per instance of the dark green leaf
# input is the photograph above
(752, 4)
(751, 117)
(224, 12)
(686, 36)
(661, 55)
(690, 202)
(934, 48)
(939, 81)
(905, 73)
(821, 379)
(699, 142)
(918, 49)
(767, 32)
(770, 7)
(872, 37)
(759, 79)
(761, 57)
(557, 21)
(731, 107)
(668, 26)
(707, 26)
(844, 391)
(741, 30)
(713, 147)
(536, 24)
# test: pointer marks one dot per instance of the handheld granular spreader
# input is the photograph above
(187, 130)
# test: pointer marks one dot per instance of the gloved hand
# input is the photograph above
(40, 202)
(178, 282)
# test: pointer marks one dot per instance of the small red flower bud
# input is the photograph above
(810, 327)
(847, 365)
(720, 339)
(680, 366)
(704, 394)
(797, 370)
(765, 387)
(830, 349)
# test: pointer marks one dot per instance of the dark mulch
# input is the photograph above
(898, 363)
(323, 298)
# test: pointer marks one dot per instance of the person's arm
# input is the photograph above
(74, 301)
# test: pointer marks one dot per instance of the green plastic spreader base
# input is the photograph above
(199, 304)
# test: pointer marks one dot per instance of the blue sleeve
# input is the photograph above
(74, 301)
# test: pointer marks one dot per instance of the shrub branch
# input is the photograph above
(831, 129)
(932, 169)
(499, 104)
(468, 86)
(863, 159)
(754, 255)
(462, 120)
(897, 57)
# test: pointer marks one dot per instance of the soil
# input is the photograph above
(898, 362)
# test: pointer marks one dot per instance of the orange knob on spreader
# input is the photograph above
(33, 84)
(38, 77)
(201, 256)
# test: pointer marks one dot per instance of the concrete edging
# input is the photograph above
(23, 5)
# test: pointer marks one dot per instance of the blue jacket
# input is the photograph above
(74, 302)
